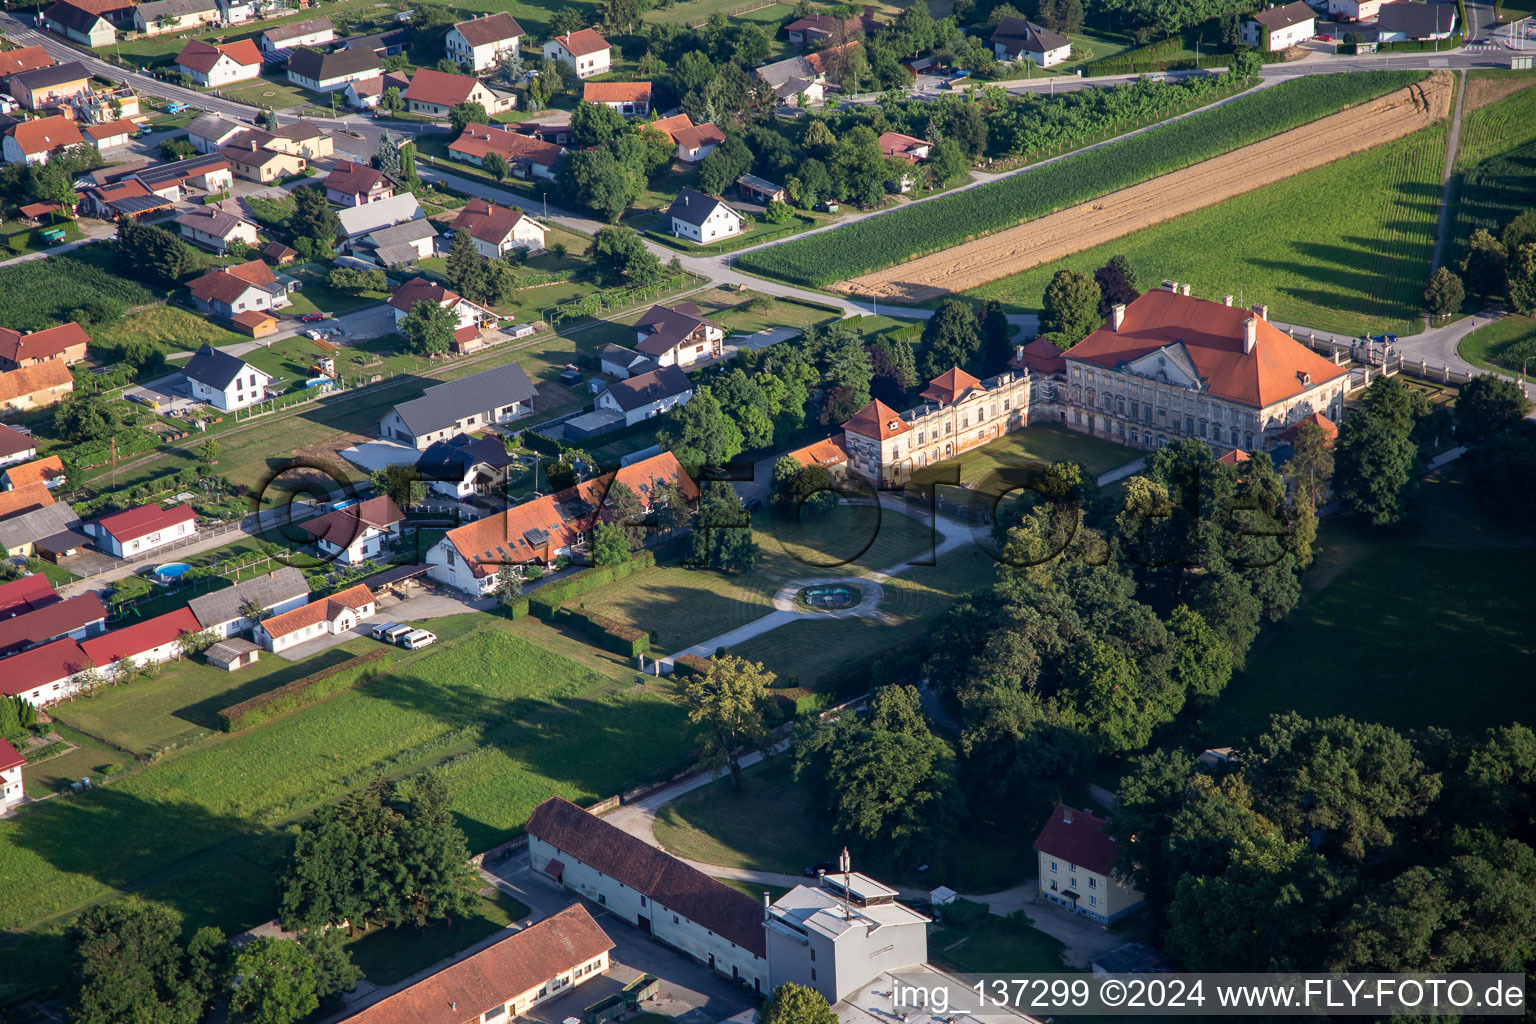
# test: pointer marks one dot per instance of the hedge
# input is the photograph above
(546, 601)
(614, 636)
(690, 665)
(303, 692)
(542, 443)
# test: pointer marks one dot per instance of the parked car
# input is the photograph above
(311, 318)
(393, 632)
(1325, 38)
(418, 639)
(382, 628)
(820, 866)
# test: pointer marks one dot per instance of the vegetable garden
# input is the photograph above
(882, 241)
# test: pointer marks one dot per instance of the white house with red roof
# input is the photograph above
(435, 93)
(358, 532)
(632, 99)
(211, 66)
(528, 157)
(33, 142)
(134, 531)
(149, 642)
(1170, 366)
(1077, 867)
(11, 763)
(585, 51)
(44, 675)
(497, 230)
(355, 184)
(332, 616)
(483, 42)
(246, 286)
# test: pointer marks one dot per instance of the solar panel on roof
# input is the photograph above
(138, 204)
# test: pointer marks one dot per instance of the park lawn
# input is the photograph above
(390, 955)
(1351, 267)
(1088, 45)
(849, 538)
(1504, 344)
(680, 606)
(998, 944)
(181, 704)
(168, 328)
(715, 824)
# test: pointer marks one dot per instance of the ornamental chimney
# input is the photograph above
(1226, 300)
(1170, 286)
(1116, 315)
(1185, 288)
(1261, 310)
(1250, 334)
(1066, 815)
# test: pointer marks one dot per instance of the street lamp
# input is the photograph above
(1523, 365)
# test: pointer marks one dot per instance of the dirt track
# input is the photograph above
(1151, 202)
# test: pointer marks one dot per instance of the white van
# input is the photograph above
(382, 628)
(418, 639)
(393, 634)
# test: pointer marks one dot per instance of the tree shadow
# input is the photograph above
(205, 713)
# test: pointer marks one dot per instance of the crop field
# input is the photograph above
(1367, 275)
(516, 723)
(42, 293)
(921, 228)
(1163, 198)
(1495, 174)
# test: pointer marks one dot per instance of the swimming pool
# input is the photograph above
(170, 572)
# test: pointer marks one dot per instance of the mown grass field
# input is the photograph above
(511, 723)
(1507, 344)
(1351, 266)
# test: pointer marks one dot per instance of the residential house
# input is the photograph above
(279, 254)
(147, 642)
(697, 142)
(959, 412)
(142, 528)
(464, 466)
(1169, 366)
(227, 612)
(251, 156)
(11, 763)
(528, 157)
(1021, 39)
(357, 221)
(355, 184)
(24, 499)
(703, 219)
(24, 58)
(397, 244)
(1076, 867)
(35, 387)
(128, 198)
(80, 21)
(330, 72)
(1354, 10)
(75, 617)
(482, 43)
(231, 290)
(366, 93)
(209, 172)
(539, 531)
(1278, 28)
(98, 106)
(33, 142)
(66, 342)
(1409, 20)
(828, 454)
(760, 190)
(618, 361)
(312, 32)
(356, 533)
(236, 12)
(224, 381)
(820, 29)
(50, 531)
(213, 66)
(389, 43)
(435, 93)
(665, 897)
(795, 80)
(157, 16)
(498, 230)
(585, 51)
(503, 981)
(27, 594)
(47, 87)
(647, 395)
(48, 471)
(838, 936)
(419, 289)
(210, 131)
(214, 229)
(110, 134)
(44, 675)
(15, 447)
(461, 406)
(332, 615)
(632, 99)
(904, 147)
(301, 138)
(678, 335)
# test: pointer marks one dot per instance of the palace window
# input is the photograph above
(1189, 424)
(1135, 411)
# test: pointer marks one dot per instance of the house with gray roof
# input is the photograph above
(621, 362)
(224, 381)
(704, 218)
(461, 406)
(159, 16)
(397, 244)
(1022, 39)
(52, 532)
(224, 611)
(647, 395)
(678, 335)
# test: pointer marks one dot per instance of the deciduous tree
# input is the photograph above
(730, 701)
(428, 328)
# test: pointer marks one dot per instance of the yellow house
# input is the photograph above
(254, 162)
(1077, 867)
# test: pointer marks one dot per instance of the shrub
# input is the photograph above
(303, 692)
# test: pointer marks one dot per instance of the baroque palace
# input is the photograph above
(1165, 367)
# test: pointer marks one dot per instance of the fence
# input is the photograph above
(1378, 360)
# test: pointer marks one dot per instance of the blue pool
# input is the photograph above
(170, 572)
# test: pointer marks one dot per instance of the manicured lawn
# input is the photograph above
(18, 236)
(997, 944)
(275, 93)
(1349, 267)
(682, 606)
(170, 328)
(717, 825)
(182, 703)
(1503, 344)
(315, 295)
(390, 955)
